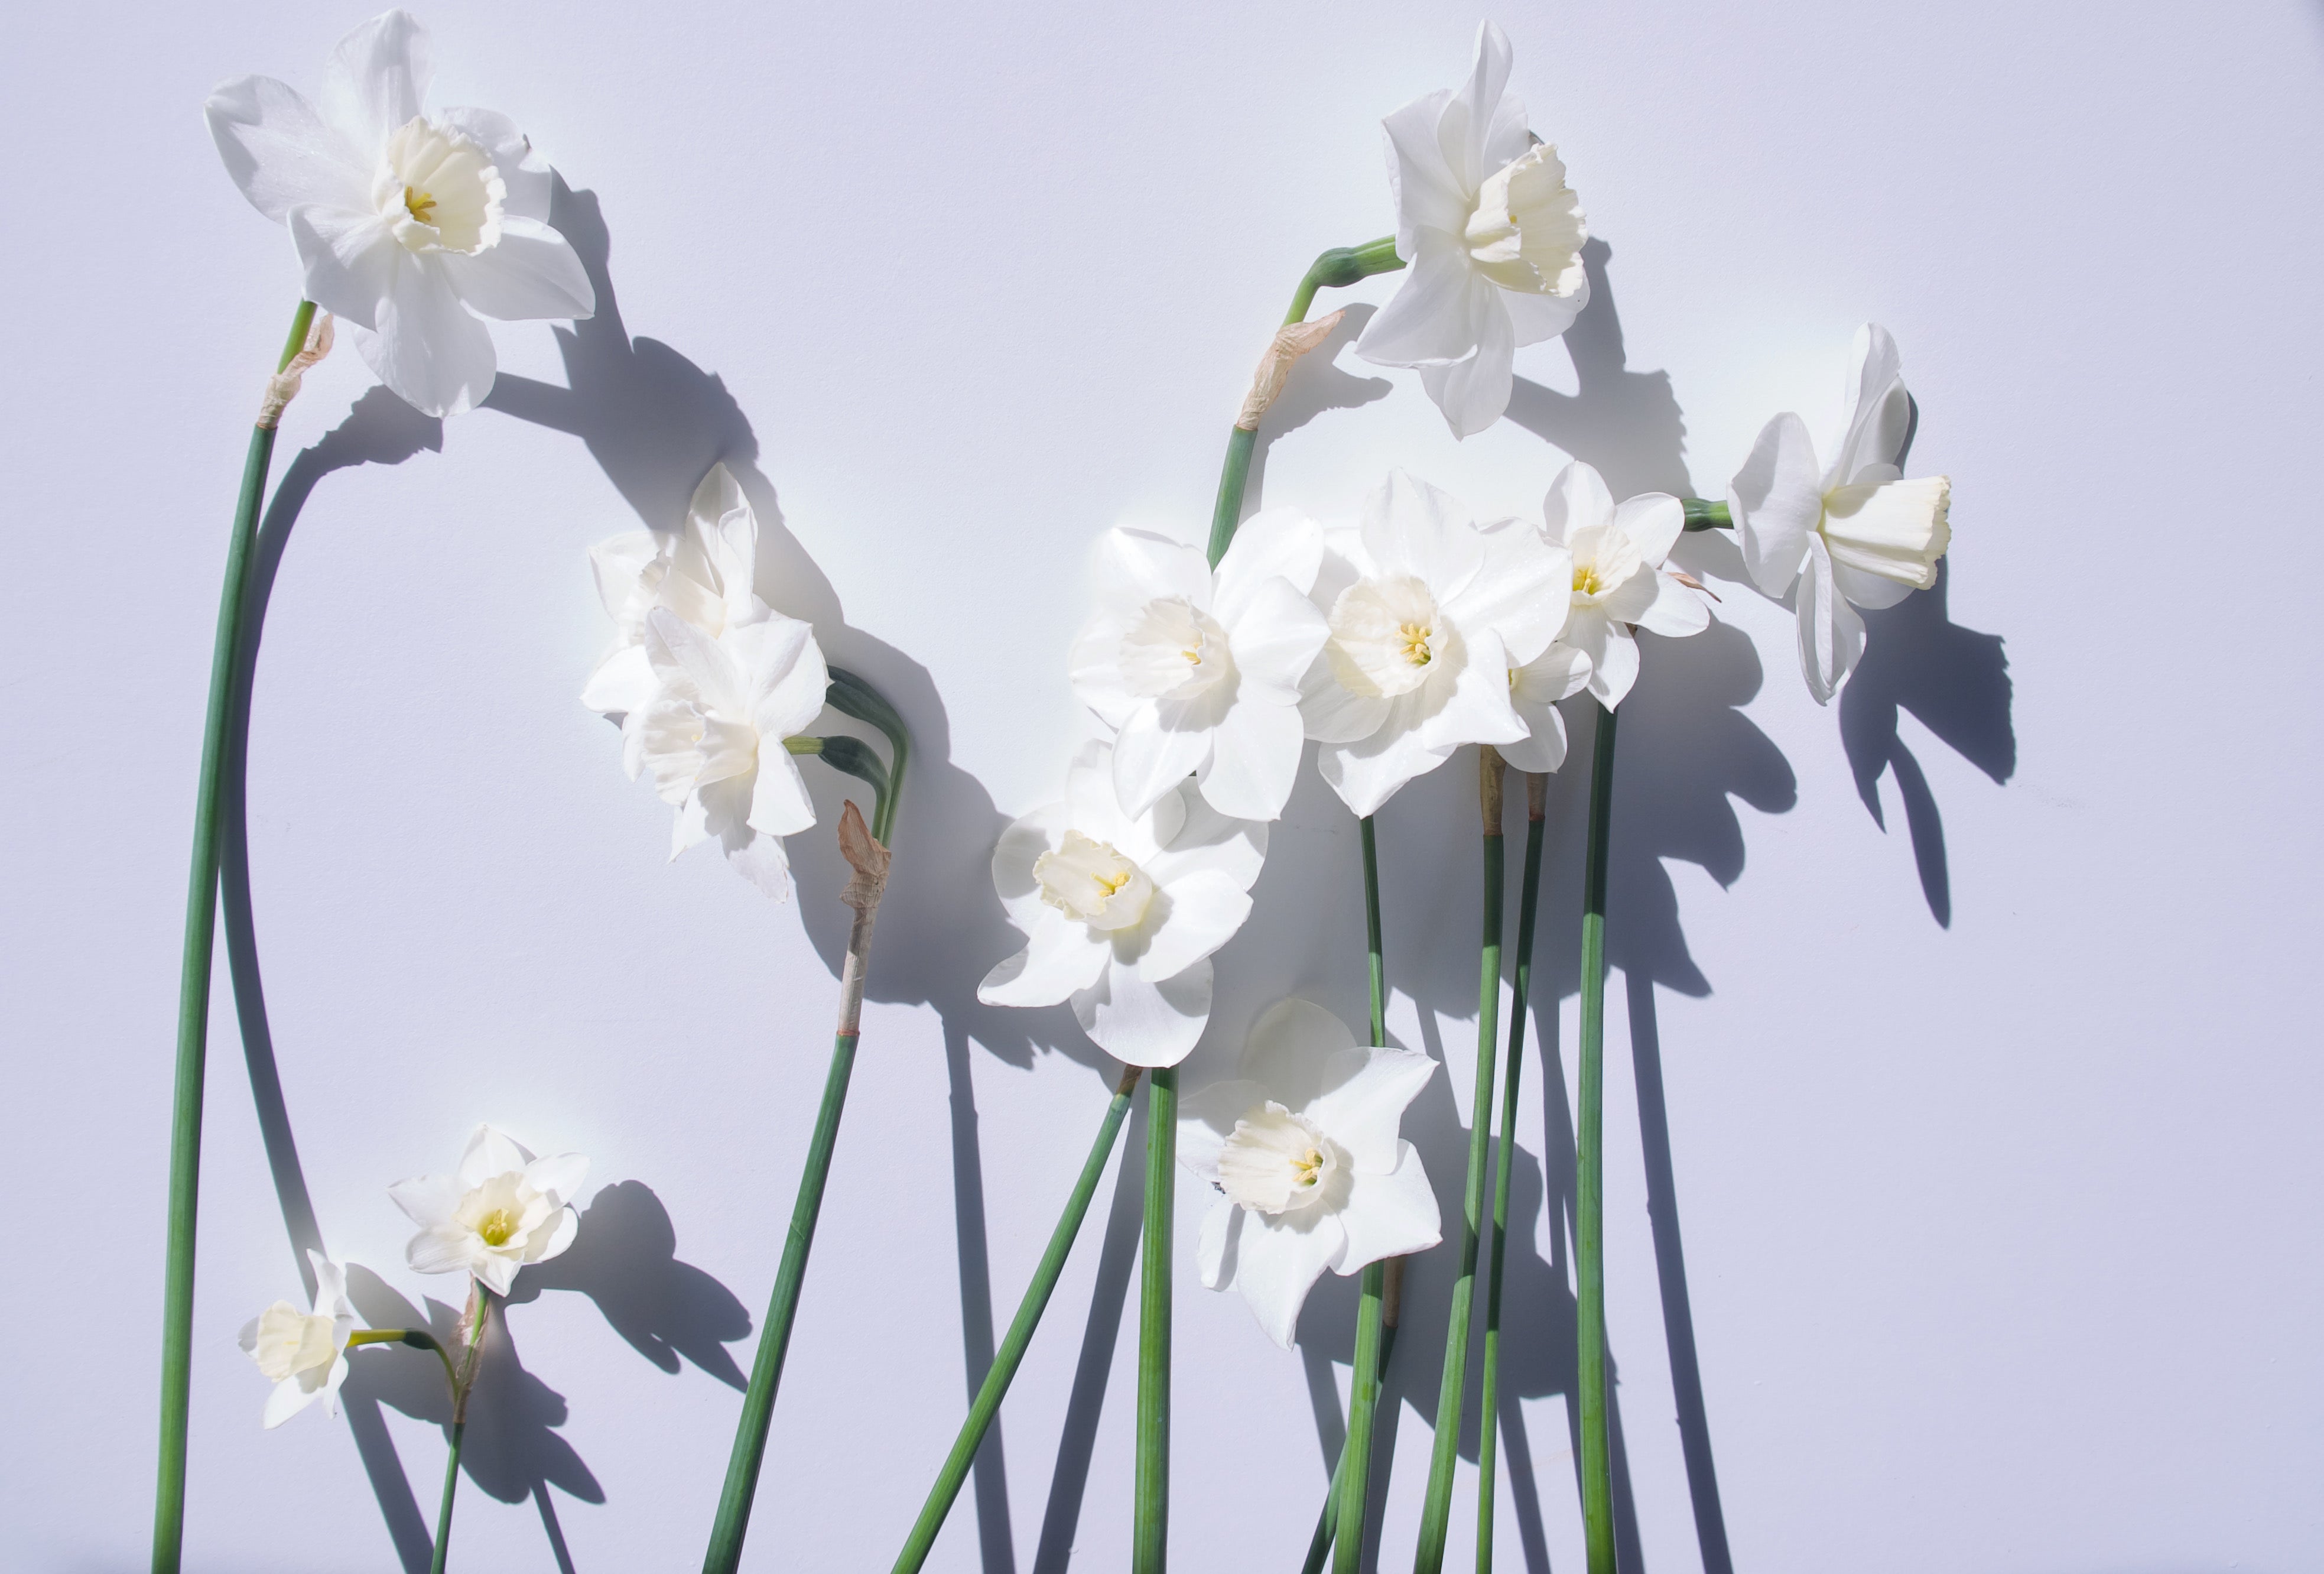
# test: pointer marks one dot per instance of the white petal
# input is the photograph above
(1275, 636)
(1654, 520)
(1523, 593)
(1477, 709)
(1474, 392)
(1367, 774)
(760, 859)
(1777, 498)
(428, 1201)
(1143, 1023)
(678, 650)
(1215, 1247)
(1534, 317)
(280, 153)
(1613, 657)
(1254, 760)
(1060, 957)
(622, 683)
(429, 350)
(1275, 541)
(376, 80)
(1206, 1118)
(1294, 1046)
(1278, 1262)
(1578, 500)
(1205, 909)
(531, 273)
(444, 1249)
(1831, 634)
(560, 1236)
(1544, 749)
(1363, 1112)
(1475, 127)
(289, 1397)
(1013, 857)
(1387, 1215)
(779, 805)
(559, 1176)
(1332, 714)
(491, 1152)
(1675, 611)
(1209, 841)
(525, 176)
(1410, 527)
(1150, 758)
(495, 1272)
(1094, 666)
(1870, 591)
(1434, 318)
(331, 1285)
(352, 262)
(1879, 410)
(1426, 195)
(1133, 566)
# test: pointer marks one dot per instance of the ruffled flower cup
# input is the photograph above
(501, 1211)
(304, 1354)
(1311, 1174)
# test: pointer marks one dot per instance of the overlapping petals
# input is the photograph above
(1198, 673)
(1494, 238)
(405, 225)
(1122, 912)
(1619, 582)
(1852, 533)
(304, 1353)
(502, 1210)
(1305, 1150)
(1428, 614)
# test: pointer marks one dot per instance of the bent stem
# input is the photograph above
(1005, 1360)
(194, 988)
(1497, 1230)
(1436, 1508)
(1151, 1525)
(1589, 1184)
(481, 1302)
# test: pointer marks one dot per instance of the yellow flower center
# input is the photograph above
(420, 204)
(496, 1226)
(1413, 641)
(1304, 1169)
(1586, 581)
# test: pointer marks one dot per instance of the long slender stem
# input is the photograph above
(1374, 959)
(1150, 1528)
(1590, 1201)
(1354, 1474)
(1505, 1152)
(1005, 1360)
(1436, 1507)
(194, 994)
(1319, 1547)
(444, 1508)
(727, 1531)
(481, 1302)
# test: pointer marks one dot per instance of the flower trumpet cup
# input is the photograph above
(1620, 584)
(501, 1211)
(304, 1354)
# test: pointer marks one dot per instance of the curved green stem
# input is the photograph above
(1436, 1507)
(194, 992)
(1504, 1152)
(1005, 1360)
(1589, 1181)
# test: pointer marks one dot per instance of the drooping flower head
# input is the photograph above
(1494, 237)
(1199, 672)
(1619, 583)
(1122, 912)
(1305, 1151)
(502, 1210)
(1428, 614)
(405, 224)
(304, 1354)
(1853, 533)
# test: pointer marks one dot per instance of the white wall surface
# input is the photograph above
(1962, 1033)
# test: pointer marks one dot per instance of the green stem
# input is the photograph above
(1504, 1152)
(1436, 1507)
(1005, 1361)
(1150, 1528)
(1703, 515)
(1319, 1547)
(1375, 960)
(482, 1300)
(444, 1510)
(1337, 268)
(194, 993)
(1354, 1474)
(733, 1520)
(1590, 1201)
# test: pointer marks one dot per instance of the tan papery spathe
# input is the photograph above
(869, 859)
(1291, 341)
(284, 386)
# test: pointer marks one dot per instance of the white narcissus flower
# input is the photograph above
(1199, 672)
(1494, 237)
(1619, 583)
(1853, 534)
(1428, 614)
(703, 571)
(1303, 1148)
(404, 224)
(1558, 673)
(713, 735)
(502, 1210)
(304, 1354)
(1122, 912)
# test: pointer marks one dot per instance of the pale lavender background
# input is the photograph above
(2001, 1237)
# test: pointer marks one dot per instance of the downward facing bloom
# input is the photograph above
(405, 224)
(1304, 1152)
(1620, 584)
(1494, 237)
(501, 1210)
(1122, 912)
(1850, 534)
(1428, 614)
(1199, 672)
(304, 1354)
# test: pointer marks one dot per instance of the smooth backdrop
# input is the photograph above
(1962, 1174)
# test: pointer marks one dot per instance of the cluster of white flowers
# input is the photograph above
(502, 1210)
(709, 682)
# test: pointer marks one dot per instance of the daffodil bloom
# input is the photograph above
(1304, 1152)
(1122, 912)
(713, 735)
(1494, 237)
(405, 224)
(703, 571)
(1558, 673)
(502, 1210)
(1853, 533)
(1619, 583)
(1428, 614)
(304, 1354)
(1199, 672)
